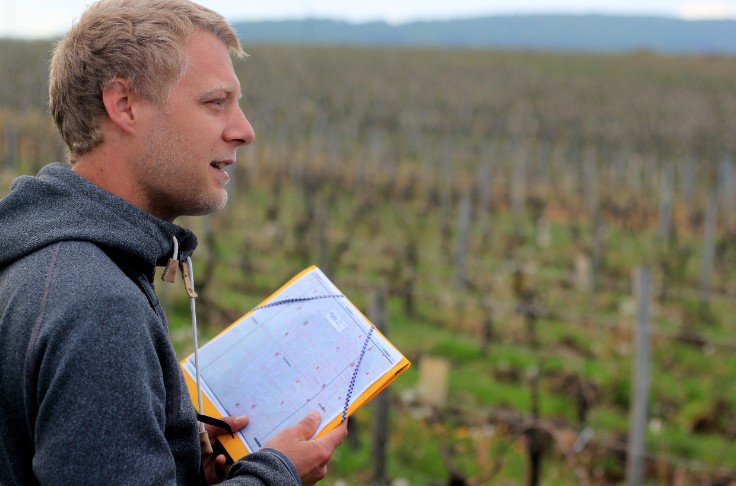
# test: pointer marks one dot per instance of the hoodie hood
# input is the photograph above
(59, 204)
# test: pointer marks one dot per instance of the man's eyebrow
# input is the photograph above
(213, 91)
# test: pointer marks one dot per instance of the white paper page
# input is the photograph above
(281, 362)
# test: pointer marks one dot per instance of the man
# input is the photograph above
(145, 96)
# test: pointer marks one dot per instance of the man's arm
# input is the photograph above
(102, 398)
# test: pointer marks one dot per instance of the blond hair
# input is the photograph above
(141, 41)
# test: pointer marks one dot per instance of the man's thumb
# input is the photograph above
(310, 423)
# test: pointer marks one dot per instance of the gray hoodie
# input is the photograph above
(90, 387)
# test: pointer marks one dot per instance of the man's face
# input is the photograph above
(192, 137)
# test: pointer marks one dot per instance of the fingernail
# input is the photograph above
(313, 415)
(241, 419)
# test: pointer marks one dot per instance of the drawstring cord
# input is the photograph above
(193, 310)
(187, 273)
(176, 248)
(169, 274)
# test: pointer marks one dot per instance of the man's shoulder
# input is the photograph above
(76, 276)
(80, 263)
(72, 295)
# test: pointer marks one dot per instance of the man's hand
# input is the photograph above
(217, 465)
(309, 456)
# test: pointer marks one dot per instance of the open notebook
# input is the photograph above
(306, 347)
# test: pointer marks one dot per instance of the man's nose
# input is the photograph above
(240, 130)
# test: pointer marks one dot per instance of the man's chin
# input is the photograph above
(205, 207)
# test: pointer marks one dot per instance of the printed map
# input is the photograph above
(278, 363)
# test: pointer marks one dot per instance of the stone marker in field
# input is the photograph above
(433, 376)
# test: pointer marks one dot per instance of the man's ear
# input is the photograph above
(119, 100)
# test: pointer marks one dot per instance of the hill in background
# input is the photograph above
(584, 33)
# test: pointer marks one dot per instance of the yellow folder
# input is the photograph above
(291, 332)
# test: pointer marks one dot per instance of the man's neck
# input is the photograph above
(104, 167)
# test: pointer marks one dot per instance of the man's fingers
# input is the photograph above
(236, 423)
(308, 425)
(221, 467)
(335, 437)
(310, 457)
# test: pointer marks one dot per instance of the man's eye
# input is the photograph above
(218, 102)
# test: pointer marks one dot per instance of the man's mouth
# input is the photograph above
(220, 164)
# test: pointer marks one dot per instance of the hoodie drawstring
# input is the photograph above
(169, 274)
(187, 273)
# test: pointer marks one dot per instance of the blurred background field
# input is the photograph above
(502, 202)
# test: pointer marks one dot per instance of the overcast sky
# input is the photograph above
(43, 18)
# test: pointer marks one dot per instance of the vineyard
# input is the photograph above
(549, 238)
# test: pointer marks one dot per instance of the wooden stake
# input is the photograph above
(381, 405)
(709, 250)
(463, 240)
(638, 411)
